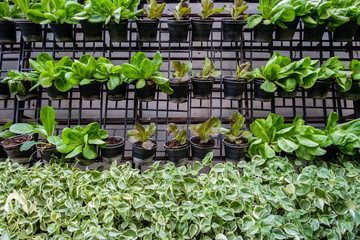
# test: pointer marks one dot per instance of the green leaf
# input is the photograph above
(47, 116)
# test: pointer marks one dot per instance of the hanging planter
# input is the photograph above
(178, 30)
(314, 34)
(287, 34)
(320, 89)
(62, 32)
(201, 29)
(7, 32)
(30, 32)
(29, 95)
(357, 34)
(260, 94)
(118, 93)
(353, 93)
(202, 88)
(235, 153)
(118, 31)
(177, 154)
(263, 33)
(142, 156)
(345, 32)
(90, 91)
(147, 93)
(92, 31)
(181, 91)
(55, 94)
(114, 151)
(232, 29)
(46, 151)
(199, 150)
(148, 29)
(4, 91)
(234, 88)
(12, 148)
(285, 94)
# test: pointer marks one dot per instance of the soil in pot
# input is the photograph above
(92, 31)
(7, 32)
(263, 33)
(232, 29)
(90, 91)
(12, 148)
(142, 156)
(285, 94)
(62, 32)
(30, 95)
(178, 30)
(202, 88)
(201, 29)
(30, 32)
(234, 88)
(47, 151)
(114, 151)
(4, 91)
(287, 34)
(148, 29)
(235, 153)
(199, 150)
(314, 34)
(3, 154)
(118, 93)
(260, 94)
(353, 93)
(147, 93)
(55, 94)
(118, 31)
(320, 89)
(176, 153)
(345, 32)
(181, 91)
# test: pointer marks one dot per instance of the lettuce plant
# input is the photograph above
(154, 11)
(182, 71)
(235, 135)
(342, 11)
(355, 68)
(16, 81)
(142, 69)
(236, 10)
(83, 141)
(6, 13)
(106, 70)
(31, 10)
(141, 135)
(316, 13)
(243, 71)
(207, 9)
(179, 135)
(208, 70)
(206, 130)
(4, 133)
(181, 10)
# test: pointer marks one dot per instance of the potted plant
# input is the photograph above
(236, 140)
(52, 75)
(145, 73)
(81, 143)
(179, 25)
(4, 134)
(203, 82)
(148, 28)
(4, 91)
(7, 24)
(232, 27)
(203, 143)
(177, 149)
(314, 21)
(353, 92)
(272, 12)
(84, 73)
(180, 82)
(114, 150)
(201, 27)
(234, 86)
(47, 146)
(12, 148)
(143, 147)
(22, 84)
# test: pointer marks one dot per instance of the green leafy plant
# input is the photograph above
(31, 10)
(243, 71)
(83, 141)
(235, 134)
(236, 10)
(340, 12)
(6, 13)
(355, 68)
(52, 73)
(182, 71)
(106, 70)
(143, 70)
(4, 133)
(141, 135)
(17, 80)
(154, 11)
(181, 10)
(208, 70)
(207, 9)
(316, 13)
(46, 130)
(206, 130)
(179, 135)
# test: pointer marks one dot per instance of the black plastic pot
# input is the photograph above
(113, 152)
(345, 32)
(263, 33)
(82, 161)
(148, 29)
(357, 35)
(232, 29)
(235, 153)
(90, 91)
(234, 88)
(55, 94)
(118, 93)
(92, 31)
(287, 34)
(180, 155)
(30, 32)
(202, 88)
(201, 29)
(7, 32)
(48, 152)
(181, 91)
(260, 94)
(320, 89)
(62, 32)
(314, 34)
(147, 93)
(4, 91)
(142, 156)
(14, 153)
(30, 95)
(285, 94)
(118, 31)
(353, 93)
(178, 30)
(198, 152)
(3, 154)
